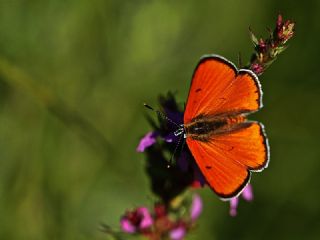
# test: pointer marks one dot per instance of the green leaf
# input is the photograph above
(254, 39)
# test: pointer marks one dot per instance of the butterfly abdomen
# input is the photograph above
(202, 128)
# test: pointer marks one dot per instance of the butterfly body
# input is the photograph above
(203, 128)
(225, 145)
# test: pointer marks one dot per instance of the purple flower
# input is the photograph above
(262, 45)
(178, 233)
(136, 220)
(247, 194)
(233, 206)
(196, 207)
(266, 50)
(127, 226)
(148, 140)
(169, 138)
(183, 162)
(257, 68)
(284, 30)
(175, 115)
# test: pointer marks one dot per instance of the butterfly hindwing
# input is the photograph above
(227, 159)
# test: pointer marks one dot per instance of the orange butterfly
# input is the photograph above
(226, 146)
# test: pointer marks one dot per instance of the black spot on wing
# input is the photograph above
(198, 90)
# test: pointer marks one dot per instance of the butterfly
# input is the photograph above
(225, 145)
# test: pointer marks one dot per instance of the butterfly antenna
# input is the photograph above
(174, 152)
(161, 114)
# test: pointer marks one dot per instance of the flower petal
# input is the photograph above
(247, 193)
(148, 140)
(147, 220)
(178, 233)
(126, 226)
(196, 207)
(233, 206)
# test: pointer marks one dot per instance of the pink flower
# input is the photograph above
(285, 30)
(196, 207)
(266, 50)
(247, 194)
(148, 140)
(257, 68)
(136, 221)
(178, 233)
(262, 45)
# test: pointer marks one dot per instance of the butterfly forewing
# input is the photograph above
(218, 87)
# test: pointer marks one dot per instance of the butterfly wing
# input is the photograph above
(218, 87)
(227, 159)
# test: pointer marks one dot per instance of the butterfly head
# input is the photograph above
(180, 130)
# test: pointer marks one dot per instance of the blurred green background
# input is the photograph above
(73, 77)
